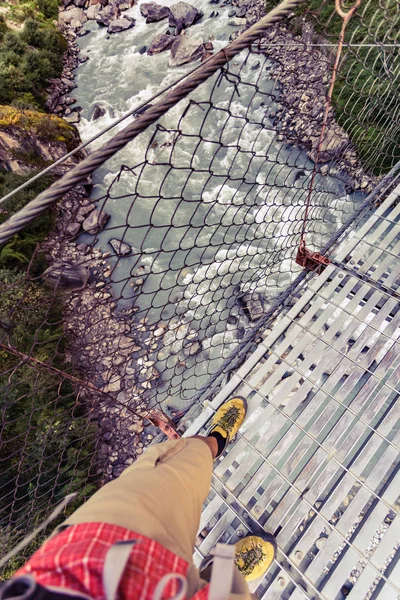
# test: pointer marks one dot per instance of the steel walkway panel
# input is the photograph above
(316, 462)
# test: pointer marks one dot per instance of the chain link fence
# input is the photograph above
(134, 296)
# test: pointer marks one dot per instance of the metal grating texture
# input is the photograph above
(316, 462)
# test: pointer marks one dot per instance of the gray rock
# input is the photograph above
(334, 142)
(93, 12)
(98, 111)
(73, 16)
(95, 222)
(237, 22)
(83, 212)
(73, 118)
(123, 4)
(160, 43)
(120, 24)
(106, 15)
(153, 12)
(52, 101)
(72, 229)
(66, 273)
(118, 470)
(182, 15)
(252, 305)
(119, 247)
(185, 50)
(192, 349)
(232, 13)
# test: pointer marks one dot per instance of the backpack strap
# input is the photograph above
(222, 572)
(25, 587)
(114, 566)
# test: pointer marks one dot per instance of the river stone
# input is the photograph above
(83, 212)
(160, 43)
(73, 118)
(120, 24)
(237, 22)
(66, 273)
(95, 222)
(182, 15)
(94, 11)
(98, 111)
(252, 305)
(108, 14)
(73, 16)
(333, 143)
(123, 4)
(119, 247)
(185, 50)
(153, 12)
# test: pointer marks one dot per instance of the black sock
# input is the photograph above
(220, 439)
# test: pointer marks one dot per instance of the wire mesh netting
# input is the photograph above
(135, 296)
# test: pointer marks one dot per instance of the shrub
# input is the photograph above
(28, 60)
(49, 8)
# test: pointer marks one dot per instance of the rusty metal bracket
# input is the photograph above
(160, 420)
(312, 261)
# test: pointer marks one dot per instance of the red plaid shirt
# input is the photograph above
(74, 559)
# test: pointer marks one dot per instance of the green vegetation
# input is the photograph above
(29, 58)
(366, 93)
(44, 127)
(47, 443)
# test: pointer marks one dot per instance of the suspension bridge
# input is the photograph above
(242, 238)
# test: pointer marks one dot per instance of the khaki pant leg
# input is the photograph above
(160, 496)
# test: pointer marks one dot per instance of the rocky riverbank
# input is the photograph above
(303, 73)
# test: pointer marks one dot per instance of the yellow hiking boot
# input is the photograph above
(226, 422)
(254, 555)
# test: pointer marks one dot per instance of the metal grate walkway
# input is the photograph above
(317, 460)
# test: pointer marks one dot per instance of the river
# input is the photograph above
(212, 205)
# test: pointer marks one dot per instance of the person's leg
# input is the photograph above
(161, 495)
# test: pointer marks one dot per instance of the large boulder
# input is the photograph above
(123, 4)
(153, 12)
(107, 14)
(99, 109)
(185, 50)
(67, 273)
(94, 10)
(75, 17)
(95, 222)
(120, 248)
(182, 15)
(334, 142)
(120, 24)
(160, 42)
